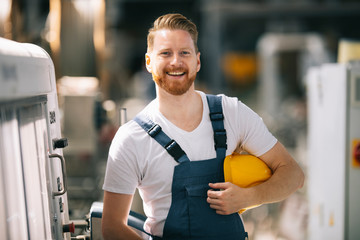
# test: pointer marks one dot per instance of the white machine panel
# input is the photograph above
(33, 199)
(333, 180)
(14, 218)
(353, 152)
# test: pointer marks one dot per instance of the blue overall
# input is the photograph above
(190, 216)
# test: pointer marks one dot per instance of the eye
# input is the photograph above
(165, 53)
(185, 53)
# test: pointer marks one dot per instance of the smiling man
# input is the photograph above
(173, 151)
(175, 60)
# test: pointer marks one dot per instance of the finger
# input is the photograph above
(218, 209)
(221, 185)
(213, 194)
(213, 201)
(216, 206)
(220, 212)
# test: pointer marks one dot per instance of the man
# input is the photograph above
(168, 151)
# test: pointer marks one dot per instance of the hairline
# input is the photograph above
(153, 32)
(159, 24)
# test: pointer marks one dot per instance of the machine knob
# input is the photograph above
(69, 227)
(357, 153)
(60, 143)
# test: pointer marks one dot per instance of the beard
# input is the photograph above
(174, 87)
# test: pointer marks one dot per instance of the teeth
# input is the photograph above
(176, 73)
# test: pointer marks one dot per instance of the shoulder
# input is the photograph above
(131, 134)
(230, 102)
(125, 136)
(227, 101)
(231, 106)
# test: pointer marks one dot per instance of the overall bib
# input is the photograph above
(190, 215)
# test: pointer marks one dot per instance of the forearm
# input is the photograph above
(285, 181)
(114, 218)
(287, 178)
(119, 232)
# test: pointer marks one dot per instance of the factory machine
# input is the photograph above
(334, 151)
(33, 189)
(33, 180)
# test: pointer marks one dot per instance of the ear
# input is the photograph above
(147, 62)
(198, 62)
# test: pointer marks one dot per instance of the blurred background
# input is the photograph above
(258, 51)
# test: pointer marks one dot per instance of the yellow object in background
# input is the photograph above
(240, 68)
(245, 171)
(349, 49)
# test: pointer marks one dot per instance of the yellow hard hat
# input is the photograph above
(245, 171)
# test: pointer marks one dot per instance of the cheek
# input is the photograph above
(158, 67)
(156, 77)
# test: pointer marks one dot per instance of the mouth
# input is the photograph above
(175, 73)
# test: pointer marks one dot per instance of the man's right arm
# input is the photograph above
(115, 215)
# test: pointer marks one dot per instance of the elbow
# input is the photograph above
(301, 178)
(108, 231)
(114, 230)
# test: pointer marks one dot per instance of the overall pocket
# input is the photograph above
(204, 221)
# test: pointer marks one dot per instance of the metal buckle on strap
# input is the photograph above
(216, 116)
(154, 130)
(174, 150)
(220, 139)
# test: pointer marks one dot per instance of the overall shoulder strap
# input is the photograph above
(155, 131)
(217, 121)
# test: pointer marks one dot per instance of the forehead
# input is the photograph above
(166, 38)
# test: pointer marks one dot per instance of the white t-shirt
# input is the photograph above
(137, 161)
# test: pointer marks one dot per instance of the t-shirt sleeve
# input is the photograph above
(252, 134)
(121, 174)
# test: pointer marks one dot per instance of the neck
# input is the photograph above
(185, 111)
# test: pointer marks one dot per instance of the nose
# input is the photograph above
(176, 60)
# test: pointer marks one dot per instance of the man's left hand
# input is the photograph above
(224, 198)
